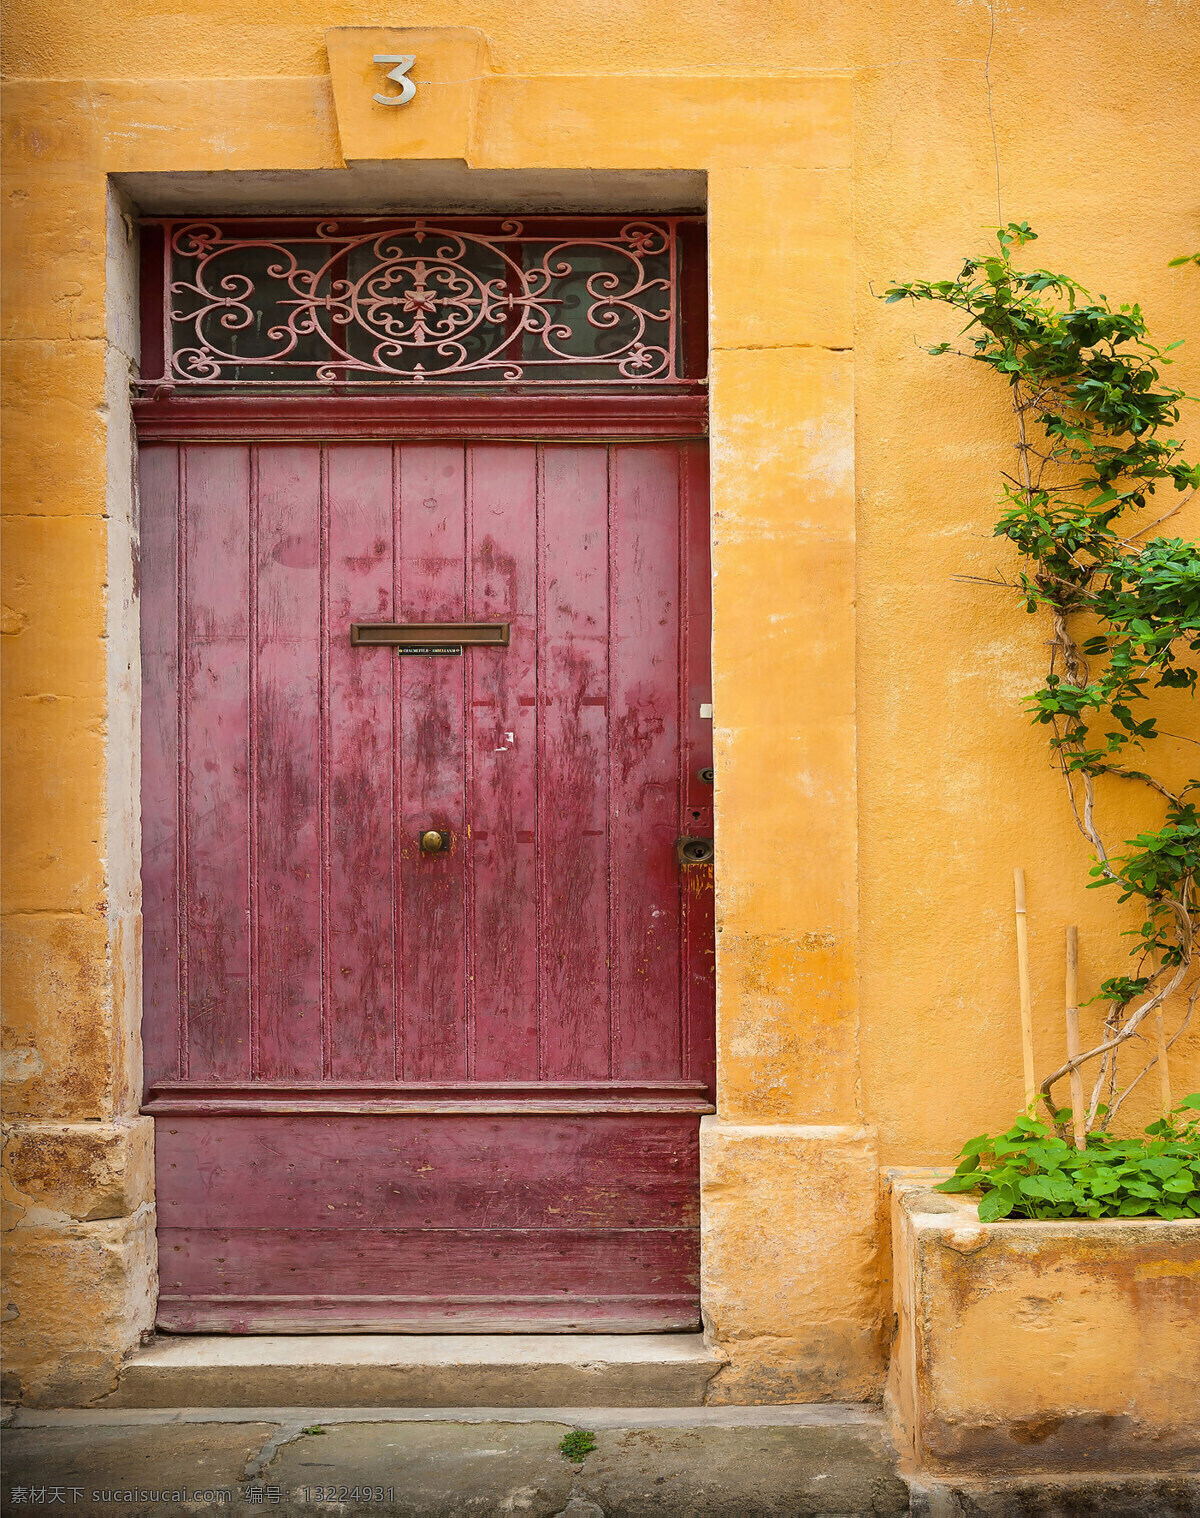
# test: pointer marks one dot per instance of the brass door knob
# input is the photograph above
(434, 842)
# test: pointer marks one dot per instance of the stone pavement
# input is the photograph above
(722, 1463)
(814, 1461)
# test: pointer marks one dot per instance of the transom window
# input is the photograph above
(422, 300)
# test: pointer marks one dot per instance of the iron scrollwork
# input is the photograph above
(418, 300)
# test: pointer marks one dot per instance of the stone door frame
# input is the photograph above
(789, 1175)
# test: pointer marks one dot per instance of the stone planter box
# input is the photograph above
(1058, 1347)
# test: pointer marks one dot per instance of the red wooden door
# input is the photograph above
(407, 1090)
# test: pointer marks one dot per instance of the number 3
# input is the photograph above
(407, 88)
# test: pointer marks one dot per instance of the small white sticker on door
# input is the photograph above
(706, 711)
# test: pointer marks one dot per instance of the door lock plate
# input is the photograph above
(690, 850)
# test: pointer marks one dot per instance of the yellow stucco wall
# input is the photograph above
(877, 781)
(1091, 114)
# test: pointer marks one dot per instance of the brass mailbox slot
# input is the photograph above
(429, 634)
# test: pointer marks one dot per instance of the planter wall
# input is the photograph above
(1068, 1346)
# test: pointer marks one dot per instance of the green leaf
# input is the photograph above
(995, 1204)
(577, 1445)
(968, 1182)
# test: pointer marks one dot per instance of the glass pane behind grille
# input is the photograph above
(417, 301)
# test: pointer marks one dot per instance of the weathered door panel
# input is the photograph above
(431, 765)
(361, 902)
(286, 719)
(481, 1223)
(317, 986)
(502, 751)
(215, 761)
(162, 840)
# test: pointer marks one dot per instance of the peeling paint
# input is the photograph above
(21, 1064)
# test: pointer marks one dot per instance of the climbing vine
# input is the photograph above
(1092, 416)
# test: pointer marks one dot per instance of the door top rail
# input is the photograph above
(168, 416)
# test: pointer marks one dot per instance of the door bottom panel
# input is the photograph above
(395, 1222)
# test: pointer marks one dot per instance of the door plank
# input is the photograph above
(163, 953)
(573, 764)
(395, 1261)
(361, 1039)
(503, 983)
(698, 992)
(644, 678)
(287, 731)
(216, 818)
(554, 1279)
(416, 1171)
(498, 1313)
(431, 565)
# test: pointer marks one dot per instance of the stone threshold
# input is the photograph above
(418, 1371)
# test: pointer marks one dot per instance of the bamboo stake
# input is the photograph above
(1026, 994)
(1164, 1074)
(1077, 1113)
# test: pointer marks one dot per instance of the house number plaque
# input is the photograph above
(403, 62)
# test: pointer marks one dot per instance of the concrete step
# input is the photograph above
(419, 1370)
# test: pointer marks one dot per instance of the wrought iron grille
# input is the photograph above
(413, 301)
